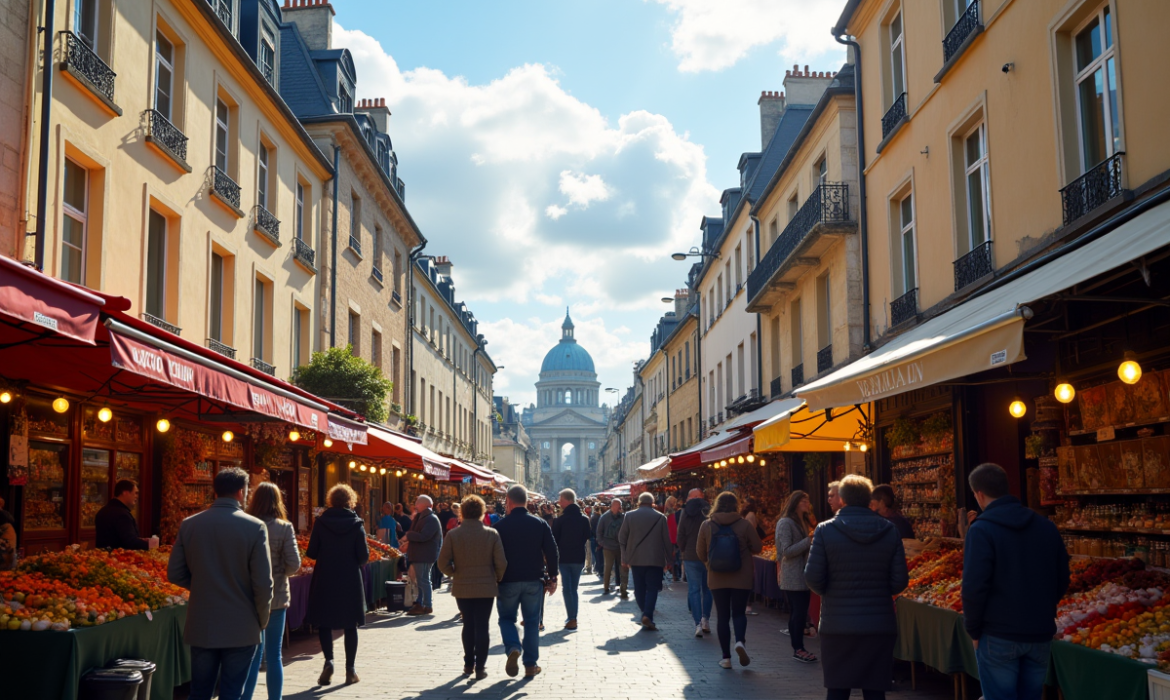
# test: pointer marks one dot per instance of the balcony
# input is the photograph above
(904, 307)
(167, 137)
(377, 274)
(222, 348)
(396, 297)
(263, 366)
(158, 322)
(355, 245)
(223, 10)
(893, 119)
(965, 29)
(824, 358)
(776, 388)
(266, 224)
(89, 69)
(1097, 186)
(798, 375)
(225, 188)
(304, 254)
(825, 216)
(974, 266)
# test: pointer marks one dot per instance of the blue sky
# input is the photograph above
(558, 152)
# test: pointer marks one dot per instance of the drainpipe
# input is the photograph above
(333, 250)
(43, 155)
(759, 327)
(863, 219)
(410, 295)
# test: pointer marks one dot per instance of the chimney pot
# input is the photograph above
(806, 69)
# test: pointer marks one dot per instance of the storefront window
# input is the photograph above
(95, 483)
(44, 496)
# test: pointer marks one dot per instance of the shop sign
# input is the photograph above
(1105, 434)
(340, 432)
(439, 471)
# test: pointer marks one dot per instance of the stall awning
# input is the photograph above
(741, 445)
(655, 469)
(384, 444)
(342, 429)
(763, 413)
(689, 458)
(464, 471)
(36, 303)
(799, 430)
(986, 331)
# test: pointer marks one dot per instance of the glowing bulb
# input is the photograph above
(864, 447)
(294, 436)
(1017, 409)
(382, 470)
(1065, 392)
(105, 414)
(61, 404)
(327, 443)
(763, 463)
(848, 446)
(353, 465)
(163, 425)
(5, 397)
(362, 467)
(741, 460)
(228, 436)
(723, 463)
(751, 458)
(1129, 371)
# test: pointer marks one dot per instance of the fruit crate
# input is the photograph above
(1159, 685)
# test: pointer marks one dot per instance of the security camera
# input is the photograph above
(1007, 67)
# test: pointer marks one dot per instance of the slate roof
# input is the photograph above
(300, 83)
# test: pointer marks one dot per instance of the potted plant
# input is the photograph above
(902, 435)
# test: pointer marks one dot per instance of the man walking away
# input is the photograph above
(571, 532)
(647, 551)
(424, 540)
(594, 542)
(699, 597)
(608, 528)
(1011, 623)
(221, 556)
(531, 553)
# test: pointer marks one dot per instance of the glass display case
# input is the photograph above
(44, 495)
(94, 490)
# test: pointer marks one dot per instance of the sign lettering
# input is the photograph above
(897, 378)
(46, 321)
(998, 358)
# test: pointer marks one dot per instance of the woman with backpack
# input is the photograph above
(793, 538)
(726, 544)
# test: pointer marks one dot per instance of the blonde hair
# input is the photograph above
(671, 503)
(342, 496)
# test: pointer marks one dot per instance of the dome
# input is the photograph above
(567, 356)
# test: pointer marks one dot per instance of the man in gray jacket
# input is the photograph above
(424, 541)
(221, 556)
(647, 551)
(608, 527)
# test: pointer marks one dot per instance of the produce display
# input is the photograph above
(769, 552)
(378, 551)
(936, 577)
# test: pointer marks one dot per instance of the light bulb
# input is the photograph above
(864, 447)
(228, 436)
(5, 397)
(1017, 409)
(848, 446)
(362, 467)
(327, 443)
(353, 465)
(1065, 392)
(105, 414)
(741, 460)
(61, 404)
(382, 470)
(294, 436)
(751, 458)
(1129, 371)
(163, 425)
(763, 463)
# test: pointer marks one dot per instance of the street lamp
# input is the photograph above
(667, 300)
(695, 252)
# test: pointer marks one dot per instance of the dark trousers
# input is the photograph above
(436, 577)
(228, 666)
(843, 694)
(798, 616)
(730, 608)
(325, 635)
(477, 615)
(647, 584)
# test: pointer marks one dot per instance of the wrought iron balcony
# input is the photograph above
(798, 375)
(223, 10)
(267, 224)
(166, 135)
(974, 265)
(304, 252)
(967, 24)
(377, 274)
(894, 115)
(158, 322)
(719, 417)
(828, 204)
(355, 244)
(824, 358)
(904, 307)
(82, 62)
(777, 387)
(224, 187)
(396, 297)
(263, 366)
(222, 348)
(1098, 185)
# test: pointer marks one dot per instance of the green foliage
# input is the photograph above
(339, 376)
(815, 462)
(903, 432)
(1033, 446)
(937, 426)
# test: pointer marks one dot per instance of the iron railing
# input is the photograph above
(966, 25)
(222, 348)
(719, 417)
(894, 115)
(162, 132)
(355, 244)
(396, 297)
(263, 366)
(828, 204)
(974, 265)
(904, 307)
(824, 358)
(223, 9)
(377, 273)
(798, 375)
(267, 224)
(225, 187)
(777, 387)
(304, 252)
(81, 60)
(158, 322)
(1098, 185)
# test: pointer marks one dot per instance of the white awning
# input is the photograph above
(763, 413)
(655, 469)
(985, 331)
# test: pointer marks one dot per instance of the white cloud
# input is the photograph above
(555, 212)
(710, 35)
(584, 189)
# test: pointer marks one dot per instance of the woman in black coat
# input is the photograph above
(857, 565)
(337, 596)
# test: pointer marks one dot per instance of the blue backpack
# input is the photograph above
(723, 552)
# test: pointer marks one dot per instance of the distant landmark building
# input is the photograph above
(567, 425)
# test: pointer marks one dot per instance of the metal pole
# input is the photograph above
(46, 111)
(333, 251)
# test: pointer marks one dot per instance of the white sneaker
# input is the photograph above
(724, 663)
(740, 649)
(706, 625)
(699, 631)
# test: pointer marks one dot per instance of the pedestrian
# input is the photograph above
(7, 539)
(835, 501)
(647, 552)
(594, 542)
(588, 513)
(115, 526)
(670, 510)
(726, 544)
(445, 514)
(267, 504)
(1011, 624)
(403, 520)
(388, 526)
(221, 556)
(691, 518)
(337, 595)
(608, 528)
(571, 532)
(749, 514)
(531, 552)
(856, 563)
(473, 556)
(424, 540)
(793, 538)
(884, 502)
(455, 521)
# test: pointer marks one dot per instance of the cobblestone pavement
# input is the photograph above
(609, 658)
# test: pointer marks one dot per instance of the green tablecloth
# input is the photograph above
(49, 665)
(934, 636)
(1088, 674)
(375, 576)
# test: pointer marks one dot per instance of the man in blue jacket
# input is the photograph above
(1015, 571)
(532, 569)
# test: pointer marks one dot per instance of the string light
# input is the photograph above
(228, 436)
(362, 467)
(382, 471)
(61, 404)
(294, 436)
(1017, 408)
(763, 463)
(327, 443)
(353, 465)
(741, 460)
(1065, 392)
(105, 414)
(751, 458)
(5, 396)
(864, 447)
(1128, 371)
(848, 446)
(163, 425)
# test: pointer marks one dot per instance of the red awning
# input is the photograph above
(735, 448)
(387, 445)
(689, 459)
(480, 475)
(342, 429)
(34, 302)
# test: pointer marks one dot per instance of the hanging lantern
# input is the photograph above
(848, 446)
(864, 447)
(105, 414)
(327, 443)
(5, 396)
(1128, 371)
(228, 436)
(353, 465)
(162, 425)
(1065, 392)
(61, 404)
(751, 458)
(1017, 408)
(294, 435)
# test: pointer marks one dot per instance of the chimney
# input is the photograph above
(314, 20)
(443, 265)
(377, 110)
(682, 299)
(771, 109)
(805, 87)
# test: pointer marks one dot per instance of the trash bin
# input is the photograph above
(395, 596)
(146, 668)
(110, 684)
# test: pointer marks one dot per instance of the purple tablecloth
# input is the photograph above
(374, 577)
(298, 601)
(764, 578)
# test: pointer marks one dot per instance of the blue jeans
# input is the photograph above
(647, 583)
(274, 676)
(570, 579)
(229, 666)
(1012, 670)
(698, 595)
(422, 576)
(526, 597)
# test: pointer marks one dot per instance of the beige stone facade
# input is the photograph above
(681, 349)
(15, 89)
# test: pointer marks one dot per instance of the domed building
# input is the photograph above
(568, 423)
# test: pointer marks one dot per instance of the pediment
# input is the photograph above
(569, 417)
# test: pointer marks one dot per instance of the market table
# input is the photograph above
(764, 578)
(375, 574)
(1089, 674)
(49, 665)
(934, 636)
(298, 600)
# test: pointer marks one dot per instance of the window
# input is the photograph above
(739, 366)
(773, 231)
(909, 253)
(738, 266)
(262, 178)
(376, 349)
(222, 134)
(395, 368)
(355, 223)
(897, 58)
(355, 333)
(73, 236)
(300, 346)
(156, 265)
(793, 205)
(267, 56)
(774, 346)
(822, 172)
(687, 353)
(344, 100)
(727, 276)
(730, 397)
(977, 186)
(797, 336)
(261, 317)
(1096, 87)
(824, 310)
(378, 250)
(397, 272)
(719, 284)
(215, 306)
(299, 224)
(164, 74)
(85, 22)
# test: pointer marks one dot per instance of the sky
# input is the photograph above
(559, 152)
